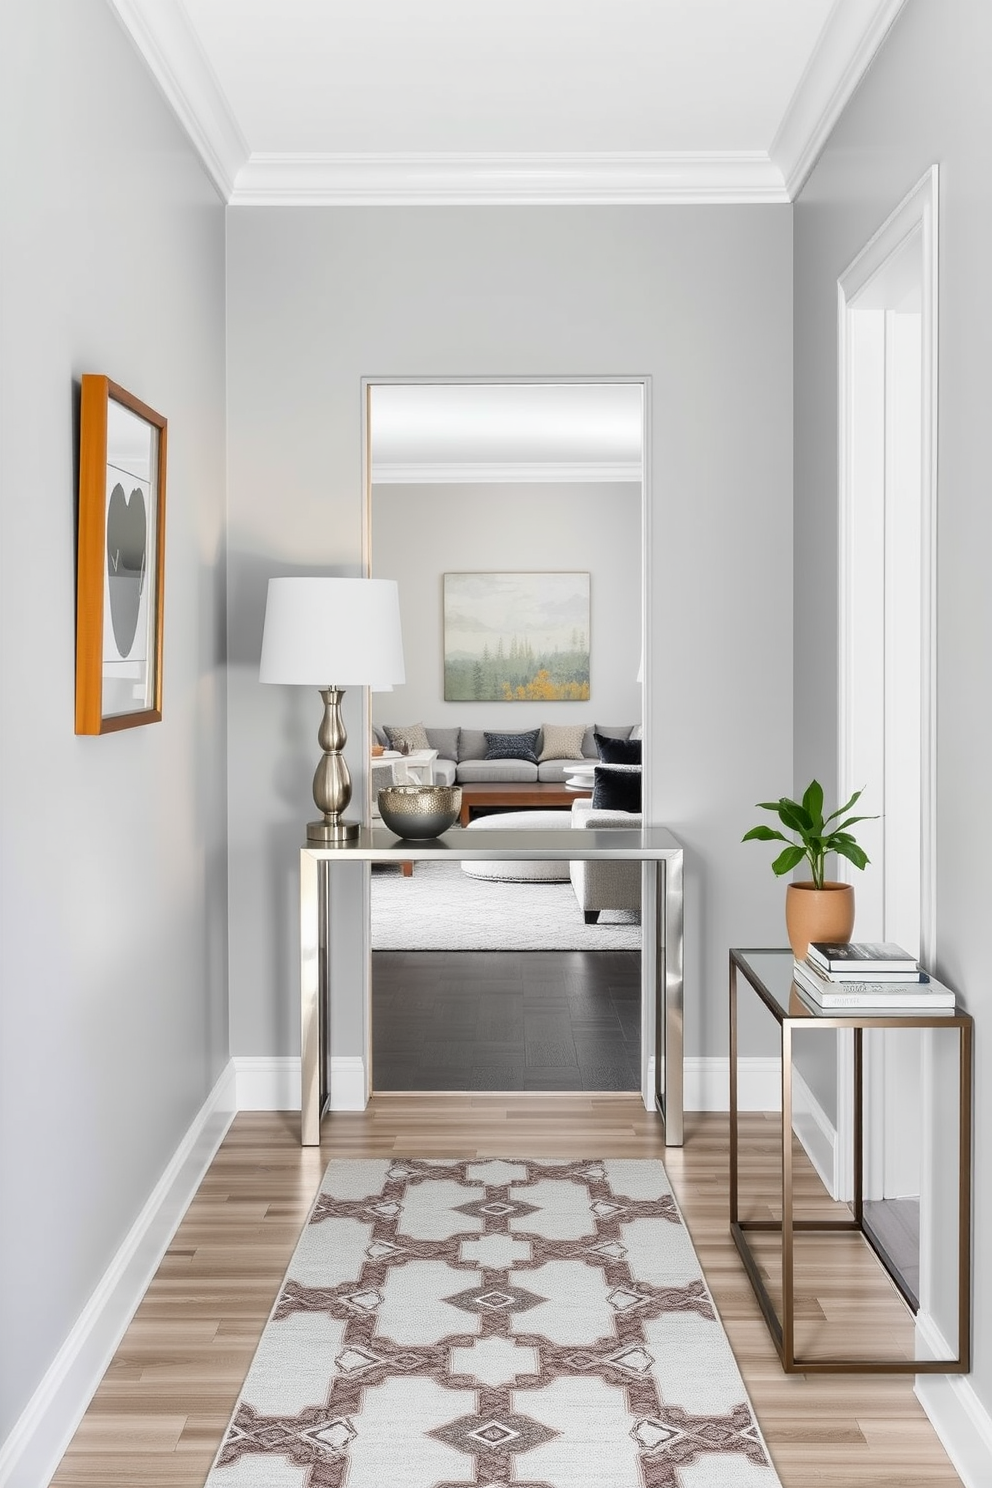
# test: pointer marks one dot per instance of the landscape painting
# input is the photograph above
(516, 637)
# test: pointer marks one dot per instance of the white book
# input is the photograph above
(876, 995)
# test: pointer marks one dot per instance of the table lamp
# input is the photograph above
(332, 634)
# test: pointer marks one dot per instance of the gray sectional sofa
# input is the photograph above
(461, 754)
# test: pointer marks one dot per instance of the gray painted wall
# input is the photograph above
(926, 99)
(697, 299)
(113, 957)
(419, 533)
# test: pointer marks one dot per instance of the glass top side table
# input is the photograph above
(767, 973)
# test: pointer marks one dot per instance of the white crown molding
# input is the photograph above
(162, 33)
(849, 41)
(507, 180)
(586, 472)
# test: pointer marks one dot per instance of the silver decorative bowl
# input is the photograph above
(419, 810)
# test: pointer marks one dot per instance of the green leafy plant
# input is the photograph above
(816, 836)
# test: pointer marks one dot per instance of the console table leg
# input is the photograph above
(671, 947)
(311, 1023)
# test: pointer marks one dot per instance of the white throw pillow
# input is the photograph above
(562, 741)
(414, 735)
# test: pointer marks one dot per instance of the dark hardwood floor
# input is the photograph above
(506, 1020)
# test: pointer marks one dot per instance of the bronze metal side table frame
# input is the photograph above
(768, 974)
(662, 935)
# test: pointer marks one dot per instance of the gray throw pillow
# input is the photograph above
(445, 741)
(471, 744)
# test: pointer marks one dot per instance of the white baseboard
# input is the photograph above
(268, 1083)
(707, 1084)
(273, 1083)
(816, 1132)
(955, 1411)
(34, 1448)
(348, 1087)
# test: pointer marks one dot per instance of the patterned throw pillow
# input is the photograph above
(513, 746)
(618, 751)
(616, 788)
(562, 741)
(413, 735)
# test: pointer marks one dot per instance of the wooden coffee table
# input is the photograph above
(541, 795)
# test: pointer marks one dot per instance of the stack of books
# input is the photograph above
(864, 975)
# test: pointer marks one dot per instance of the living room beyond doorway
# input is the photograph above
(506, 1020)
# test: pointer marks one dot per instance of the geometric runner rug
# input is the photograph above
(502, 1322)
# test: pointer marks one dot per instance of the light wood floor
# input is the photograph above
(158, 1416)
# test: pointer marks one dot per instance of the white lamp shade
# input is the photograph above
(332, 633)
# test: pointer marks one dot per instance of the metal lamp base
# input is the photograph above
(332, 782)
(331, 833)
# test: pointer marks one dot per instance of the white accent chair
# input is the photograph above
(602, 884)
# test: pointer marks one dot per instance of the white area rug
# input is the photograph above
(513, 1324)
(442, 909)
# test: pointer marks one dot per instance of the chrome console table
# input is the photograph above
(661, 920)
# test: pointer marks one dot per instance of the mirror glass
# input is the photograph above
(128, 618)
(511, 516)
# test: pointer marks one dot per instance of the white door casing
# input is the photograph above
(887, 363)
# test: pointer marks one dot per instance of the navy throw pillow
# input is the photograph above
(616, 788)
(513, 746)
(618, 751)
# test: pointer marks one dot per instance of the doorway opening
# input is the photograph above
(887, 359)
(521, 482)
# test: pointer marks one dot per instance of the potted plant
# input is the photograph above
(815, 908)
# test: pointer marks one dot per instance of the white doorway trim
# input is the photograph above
(911, 229)
(916, 214)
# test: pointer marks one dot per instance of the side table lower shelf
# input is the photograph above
(768, 973)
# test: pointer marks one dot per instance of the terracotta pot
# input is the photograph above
(818, 914)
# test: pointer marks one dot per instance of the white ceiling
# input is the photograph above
(353, 101)
(484, 432)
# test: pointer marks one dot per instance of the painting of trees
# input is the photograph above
(516, 637)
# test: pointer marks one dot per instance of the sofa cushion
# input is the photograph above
(471, 744)
(618, 751)
(616, 788)
(444, 740)
(380, 736)
(479, 772)
(556, 770)
(561, 741)
(414, 735)
(512, 746)
(444, 771)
